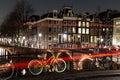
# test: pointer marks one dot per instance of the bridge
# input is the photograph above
(17, 54)
(76, 59)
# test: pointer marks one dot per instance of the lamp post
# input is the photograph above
(79, 38)
(24, 40)
(65, 36)
(65, 39)
(39, 35)
(111, 63)
(101, 41)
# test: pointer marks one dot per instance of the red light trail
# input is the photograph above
(114, 53)
(22, 65)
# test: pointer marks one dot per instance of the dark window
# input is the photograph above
(54, 45)
(49, 38)
(50, 29)
(55, 22)
(65, 29)
(49, 22)
(87, 38)
(59, 29)
(54, 29)
(49, 46)
(83, 39)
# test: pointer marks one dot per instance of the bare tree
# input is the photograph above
(13, 25)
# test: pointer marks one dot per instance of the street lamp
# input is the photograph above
(24, 40)
(101, 40)
(65, 39)
(39, 35)
(79, 38)
(65, 36)
(23, 37)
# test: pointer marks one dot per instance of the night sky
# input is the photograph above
(43, 6)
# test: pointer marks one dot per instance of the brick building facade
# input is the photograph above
(63, 28)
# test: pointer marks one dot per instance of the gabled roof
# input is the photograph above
(34, 18)
(52, 14)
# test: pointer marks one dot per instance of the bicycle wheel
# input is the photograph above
(59, 65)
(35, 67)
(6, 71)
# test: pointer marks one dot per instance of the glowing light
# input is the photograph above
(64, 36)
(101, 40)
(40, 35)
(24, 65)
(24, 38)
(23, 72)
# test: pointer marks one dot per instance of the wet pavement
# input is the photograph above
(76, 75)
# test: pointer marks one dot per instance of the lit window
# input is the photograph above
(78, 36)
(103, 29)
(117, 23)
(117, 30)
(74, 30)
(87, 31)
(79, 23)
(107, 29)
(95, 39)
(83, 31)
(79, 30)
(54, 38)
(87, 24)
(91, 38)
(83, 23)
(69, 38)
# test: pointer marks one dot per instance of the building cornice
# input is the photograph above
(116, 18)
(45, 19)
(71, 18)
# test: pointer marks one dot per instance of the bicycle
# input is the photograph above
(6, 71)
(57, 64)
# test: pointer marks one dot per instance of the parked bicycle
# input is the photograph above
(56, 64)
(6, 71)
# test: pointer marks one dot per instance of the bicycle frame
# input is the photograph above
(52, 63)
(48, 62)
